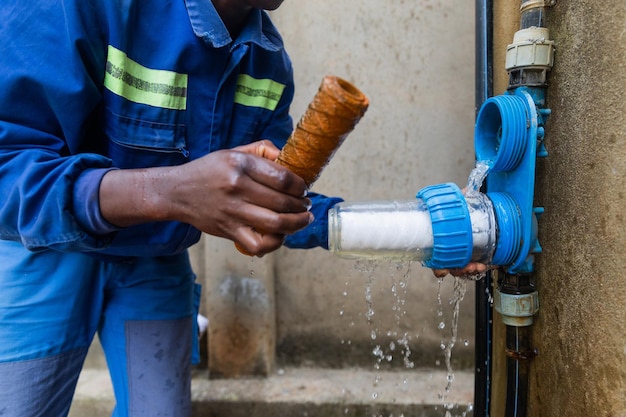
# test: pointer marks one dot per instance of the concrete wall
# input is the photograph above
(580, 330)
(415, 61)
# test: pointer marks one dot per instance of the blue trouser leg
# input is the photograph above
(51, 305)
(146, 333)
(47, 321)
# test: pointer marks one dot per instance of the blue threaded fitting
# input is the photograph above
(452, 226)
(500, 132)
(509, 220)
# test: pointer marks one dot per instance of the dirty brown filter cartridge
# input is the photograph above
(330, 117)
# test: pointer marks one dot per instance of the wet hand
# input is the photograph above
(473, 268)
(237, 193)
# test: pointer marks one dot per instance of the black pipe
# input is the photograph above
(483, 307)
(518, 353)
(518, 349)
(484, 51)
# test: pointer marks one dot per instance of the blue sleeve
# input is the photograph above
(315, 234)
(50, 80)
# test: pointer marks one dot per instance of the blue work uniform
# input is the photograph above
(91, 86)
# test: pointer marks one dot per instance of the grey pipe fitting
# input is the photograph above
(516, 309)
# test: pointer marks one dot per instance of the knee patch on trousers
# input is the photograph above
(40, 387)
(159, 371)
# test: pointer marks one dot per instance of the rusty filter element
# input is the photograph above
(332, 114)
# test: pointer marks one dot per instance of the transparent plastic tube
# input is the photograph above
(402, 230)
(381, 229)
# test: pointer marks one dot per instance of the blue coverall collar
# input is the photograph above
(208, 25)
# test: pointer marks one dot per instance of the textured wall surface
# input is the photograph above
(580, 330)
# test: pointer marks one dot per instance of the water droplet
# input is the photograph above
(374, 395)
(373, 335)
(466, 342)
(442, 325)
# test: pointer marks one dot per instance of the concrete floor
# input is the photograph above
(307, 392)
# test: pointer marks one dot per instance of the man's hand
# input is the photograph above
(229, 193)
(473, 268)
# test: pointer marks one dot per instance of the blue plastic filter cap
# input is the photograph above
(452, 226)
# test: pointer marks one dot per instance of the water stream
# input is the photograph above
(477, 176)
(399, 344)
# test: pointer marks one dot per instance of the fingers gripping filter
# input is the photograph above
(333, 113)
(451, 223)
(330, 117)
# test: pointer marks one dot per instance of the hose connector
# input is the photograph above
(530, 57)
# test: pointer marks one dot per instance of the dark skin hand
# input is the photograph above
(473, 268)
(228, 193)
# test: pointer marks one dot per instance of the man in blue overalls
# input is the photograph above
(128, 128)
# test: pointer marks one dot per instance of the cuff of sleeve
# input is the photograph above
(315, 234)
(86, 203)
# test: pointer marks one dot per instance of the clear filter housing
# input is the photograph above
(402, 230)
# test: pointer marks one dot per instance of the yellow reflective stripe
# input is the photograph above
(253, 92)
(134, 82)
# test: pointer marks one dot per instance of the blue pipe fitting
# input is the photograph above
(501, 132)
(506, 137)
(451, 223)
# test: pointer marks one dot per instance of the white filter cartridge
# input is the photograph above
(386, 229)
